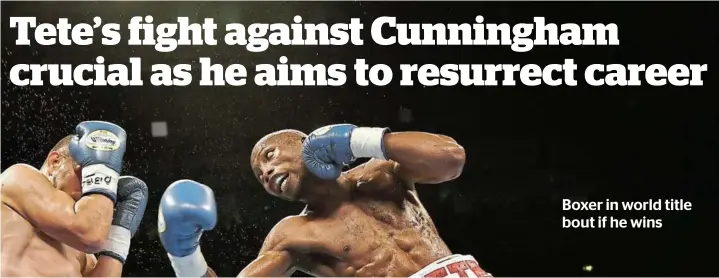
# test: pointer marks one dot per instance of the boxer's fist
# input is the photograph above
(328, 149)
(132, 198)
(98, 148)
(98, 142)
(187, 208)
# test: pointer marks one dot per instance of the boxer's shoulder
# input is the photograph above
(19, 171)
(285, 233)
(17, 180)
(292, 221)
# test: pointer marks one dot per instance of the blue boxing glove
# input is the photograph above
(329, 148)
(98, 148)
(131, 202)
(186, 210)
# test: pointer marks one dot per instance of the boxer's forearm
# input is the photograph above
(106, 267)
(425, 157)
(92, 221)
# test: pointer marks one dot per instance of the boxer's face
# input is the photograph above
(65, 174)
(277, 164)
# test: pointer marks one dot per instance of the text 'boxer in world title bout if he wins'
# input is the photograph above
(367, 221)
(53, 221)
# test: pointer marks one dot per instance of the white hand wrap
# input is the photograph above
(118, 241)
(193, 265)
(368, 142)
(99, 178)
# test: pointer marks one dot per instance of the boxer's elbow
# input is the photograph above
(91, 243)
(453, 162)
(446, 165)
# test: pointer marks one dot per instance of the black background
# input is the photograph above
(527, 147)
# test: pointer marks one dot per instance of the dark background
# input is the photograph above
(527, 147)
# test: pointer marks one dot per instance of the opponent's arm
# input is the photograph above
(187, 209)
(132, 197)
(419, 157)
(83, 225)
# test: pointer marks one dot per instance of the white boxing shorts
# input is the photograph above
(452, 266)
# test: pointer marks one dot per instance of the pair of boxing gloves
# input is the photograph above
(188, 208)
(99, 148)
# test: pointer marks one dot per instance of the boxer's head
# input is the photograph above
(277, 163)
(62, 170)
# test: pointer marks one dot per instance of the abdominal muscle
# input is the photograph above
(29, 252)
(353, 243)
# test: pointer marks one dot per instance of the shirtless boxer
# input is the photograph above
(52, 222)
(367, 221)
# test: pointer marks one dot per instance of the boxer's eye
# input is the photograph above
(269, 155)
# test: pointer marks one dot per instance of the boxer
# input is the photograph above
(367, 221)
(52, 222)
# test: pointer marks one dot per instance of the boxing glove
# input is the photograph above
(187, 208)
(132, 198)
(98, 148)
(329, 148)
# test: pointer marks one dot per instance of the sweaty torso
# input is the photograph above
(382, 230)
(29, 252)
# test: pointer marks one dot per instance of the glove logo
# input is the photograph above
(160, 222)
(102, 140)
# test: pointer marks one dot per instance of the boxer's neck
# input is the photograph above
(46, 173)
(325, 195)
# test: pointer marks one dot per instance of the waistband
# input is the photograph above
(452, 266)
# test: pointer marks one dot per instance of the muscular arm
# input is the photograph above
(275, 259)
(272, 260)
(424, 157)
(83, 225)
(270, 264)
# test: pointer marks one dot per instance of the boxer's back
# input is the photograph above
(28, 252)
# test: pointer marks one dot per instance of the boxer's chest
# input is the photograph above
(382, 229)
(30, 252)
(373, 229)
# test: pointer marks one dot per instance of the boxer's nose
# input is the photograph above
(267, 174)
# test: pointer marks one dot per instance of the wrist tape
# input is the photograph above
(368, 142)
(118, 243)
(192, 265)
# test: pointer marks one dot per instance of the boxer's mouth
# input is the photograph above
(279, 182)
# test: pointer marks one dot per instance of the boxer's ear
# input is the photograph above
(302, 140)
(53, 161)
